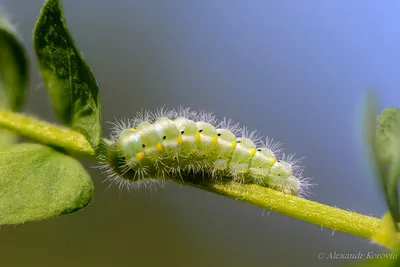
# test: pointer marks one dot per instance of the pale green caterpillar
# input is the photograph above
(182, 144)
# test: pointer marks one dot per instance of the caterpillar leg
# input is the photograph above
(281, 178)
(288, 185)
(267, 171)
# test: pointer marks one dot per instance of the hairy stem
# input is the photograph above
(300, 208)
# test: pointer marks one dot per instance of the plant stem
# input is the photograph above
(45, 133)
(300, 208)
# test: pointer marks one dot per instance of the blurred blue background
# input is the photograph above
(293, 70)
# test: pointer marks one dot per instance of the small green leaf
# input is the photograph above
(37, 182)
(14, 74)
(388, 147)
(388, 123)
(69, 80)
(384, 142)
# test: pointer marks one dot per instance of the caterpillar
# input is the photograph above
(182, 143)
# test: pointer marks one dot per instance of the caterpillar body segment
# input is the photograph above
(226, 144)
(182, 143)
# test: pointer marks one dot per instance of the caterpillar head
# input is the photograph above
(127, 150)
(126, 159)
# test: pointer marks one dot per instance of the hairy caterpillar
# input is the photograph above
(182, 143)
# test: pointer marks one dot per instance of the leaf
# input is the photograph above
(388, 148)
(388, 125)
(69, 80)
(37, 182)
(384, 143)
(386, 235)
(14, 74)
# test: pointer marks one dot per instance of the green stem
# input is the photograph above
(300, 208)
(45, 132)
